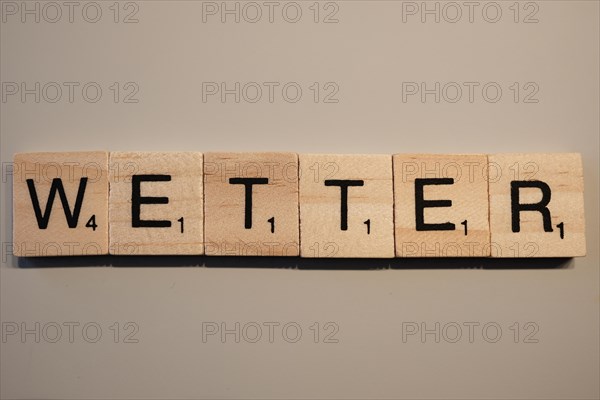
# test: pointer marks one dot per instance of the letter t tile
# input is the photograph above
(251, 204)
(346, 206)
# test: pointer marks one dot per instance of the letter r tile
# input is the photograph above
(441, 205)
(251, 204)
(346, 206)
(536, 205)
(156, 203)
(60, 204)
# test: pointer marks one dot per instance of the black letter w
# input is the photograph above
(72, 217)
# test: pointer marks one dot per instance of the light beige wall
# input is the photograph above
(366, 57)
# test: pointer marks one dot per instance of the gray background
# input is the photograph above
(167, 54)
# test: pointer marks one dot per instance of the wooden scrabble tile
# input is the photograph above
(60, 204)
(156, 203)
(346, 206)
(251, 204)
(536, 205)
(441, 205)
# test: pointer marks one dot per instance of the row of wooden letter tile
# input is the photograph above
(308, 205)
